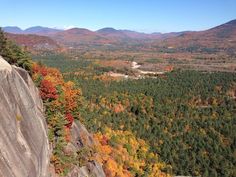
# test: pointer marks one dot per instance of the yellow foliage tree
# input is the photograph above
(123, 155)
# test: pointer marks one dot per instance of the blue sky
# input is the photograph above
(139, 15)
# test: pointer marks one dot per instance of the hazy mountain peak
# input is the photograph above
(45, 31)
(12, 29)
(77, 29)
(232, 22)
(41, 30)
(35, 29)
(107, 30)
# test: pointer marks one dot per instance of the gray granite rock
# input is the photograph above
(24, 146)
(82, 138)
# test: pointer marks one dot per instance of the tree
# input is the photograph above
(13, 54)
(4, 50)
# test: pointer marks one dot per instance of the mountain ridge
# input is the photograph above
(222, 37)
(106, 32)
(34, 42)
(40, 30)
(217, 39)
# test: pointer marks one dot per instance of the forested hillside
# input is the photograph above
(13, 53)
(178, 123)
(121, 152)
(185, 118)
(63, 101)
(119, 88)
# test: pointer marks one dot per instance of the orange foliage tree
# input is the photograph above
(123, 155)
(60, 100)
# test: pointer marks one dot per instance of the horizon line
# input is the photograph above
(134, 30)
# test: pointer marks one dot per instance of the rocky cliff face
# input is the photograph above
(24, 145)
(82, 138)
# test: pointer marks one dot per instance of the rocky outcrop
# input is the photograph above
(82, 138)
(24, 146)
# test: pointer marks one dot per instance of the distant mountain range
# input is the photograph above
(85, 35)
(32, 30)
(104, 31)
(220, 38)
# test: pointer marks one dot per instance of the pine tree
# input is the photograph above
(4, 50)
(13, 54)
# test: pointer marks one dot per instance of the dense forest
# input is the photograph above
(187, 118)
(62, 100)
(179, 123)
(120, 151)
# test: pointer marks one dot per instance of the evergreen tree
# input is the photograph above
(13, 54)
(4, 50)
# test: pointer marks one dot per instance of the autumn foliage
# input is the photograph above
(70, 120)
(48, 90)
(60, 100)
(120, 152)
(123, 155)
(53, 88)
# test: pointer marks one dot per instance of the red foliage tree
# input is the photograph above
(104, 140)
(48, 90)
(70, 119)
(40, 69)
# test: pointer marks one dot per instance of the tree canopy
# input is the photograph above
(14, 54)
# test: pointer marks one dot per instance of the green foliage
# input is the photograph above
(66, 65)
(62, 62)
(13, 54)
(187, 117)
(114, 141)
(85, 155)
